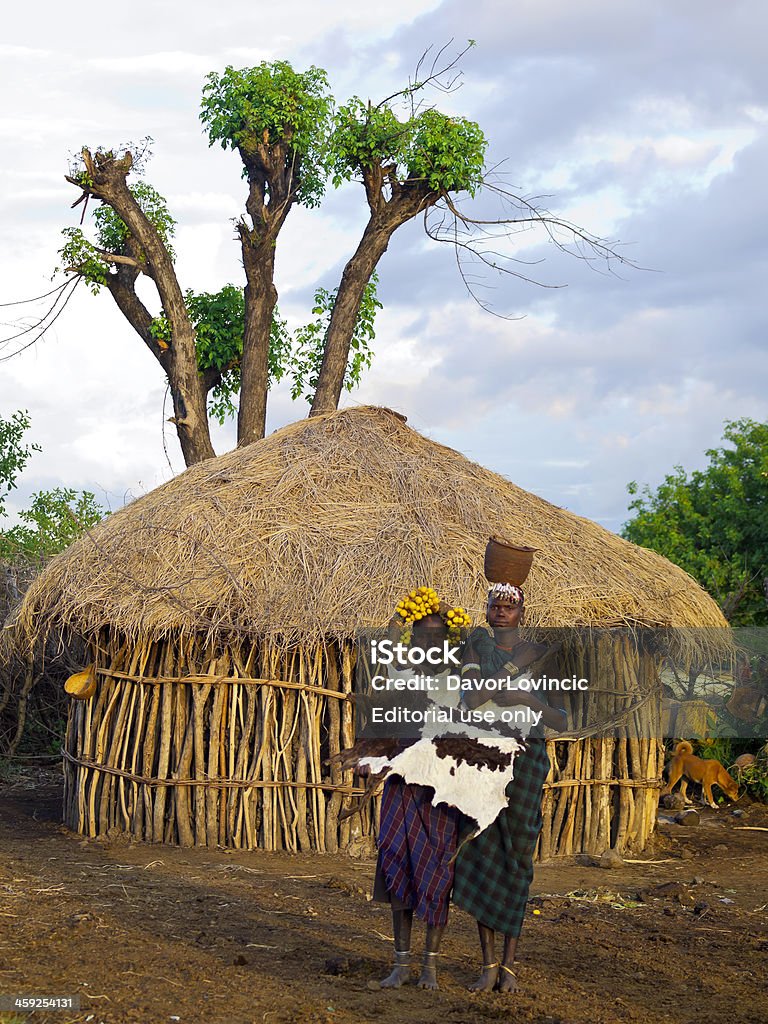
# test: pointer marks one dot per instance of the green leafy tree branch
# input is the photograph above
(55, 518)
(310, 341)
(714, 522)
(14, 452)
(52, 522)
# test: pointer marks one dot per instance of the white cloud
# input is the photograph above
(204, 206)
(660, 136)
(22, 52)
(170, 62)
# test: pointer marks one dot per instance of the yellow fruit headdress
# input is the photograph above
(424, 601)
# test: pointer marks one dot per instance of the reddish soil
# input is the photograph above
(153, 934)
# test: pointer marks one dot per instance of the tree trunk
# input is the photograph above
(190, 412)
(121, 286)
(734, 599)
(356, 276)
(408, 199)
(273, 178)
(192, 440)
(260, 301)
(106, 180)
(336, 353)
(187, 392)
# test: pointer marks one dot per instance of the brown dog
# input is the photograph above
(684, 765)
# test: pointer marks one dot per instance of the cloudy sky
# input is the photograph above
(645, 122)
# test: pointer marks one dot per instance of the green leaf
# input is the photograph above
(54, 520)
(272, 105)
(14, 452)
(309, 342)
(714, 522)
(448, 153)
(79, 254)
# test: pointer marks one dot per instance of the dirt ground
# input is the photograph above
(154, 934)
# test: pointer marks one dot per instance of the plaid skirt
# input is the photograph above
(417, 843)
(494, 871)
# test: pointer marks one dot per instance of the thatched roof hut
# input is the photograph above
(220, 610)
(317, 529)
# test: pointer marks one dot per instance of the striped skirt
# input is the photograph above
(417, 844)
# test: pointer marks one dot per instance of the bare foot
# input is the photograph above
(398, 977)
(487, 980)
(428, 978)
(507, 980)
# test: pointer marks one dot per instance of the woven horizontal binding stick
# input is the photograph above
(235, 783)
(214, 680)
(639, 783)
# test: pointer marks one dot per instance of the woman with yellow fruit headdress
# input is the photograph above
(417, 839)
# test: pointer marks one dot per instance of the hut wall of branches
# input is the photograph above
(194, 744)
(221, 611)
(602, 791)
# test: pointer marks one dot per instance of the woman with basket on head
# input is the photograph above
(494, 869)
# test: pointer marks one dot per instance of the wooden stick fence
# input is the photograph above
(185, 745)
(189, 745)
(603, 792)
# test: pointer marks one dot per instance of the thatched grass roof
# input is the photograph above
(319, 528)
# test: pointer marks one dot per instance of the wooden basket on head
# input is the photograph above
(507, 563)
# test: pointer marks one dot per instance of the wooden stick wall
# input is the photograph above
(189, 746)
(604, 791)
(179, 746)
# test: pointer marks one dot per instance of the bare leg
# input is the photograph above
(428, 976)
(507, 981)
(490, 973)
(402, 921)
